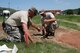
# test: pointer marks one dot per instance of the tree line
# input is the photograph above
(72, 11)
(67, 12)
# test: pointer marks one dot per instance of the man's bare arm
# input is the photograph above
(49, 20)
(26, 33)
(34, 25)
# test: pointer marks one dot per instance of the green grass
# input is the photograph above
(69, 18)
(45, 47)
(1, 18)
(36, 19)
(61, 23)
(69, 25)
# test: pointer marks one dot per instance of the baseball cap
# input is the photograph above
(34, 10)
(42, 12)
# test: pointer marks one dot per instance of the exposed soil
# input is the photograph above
(63, 35)
(69, 37)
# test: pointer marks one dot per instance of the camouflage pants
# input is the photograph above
(50, 29)
(14, 33)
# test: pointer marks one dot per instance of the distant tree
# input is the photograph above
(75, 11)
(78, 11)
(69, 11)
(72, 11)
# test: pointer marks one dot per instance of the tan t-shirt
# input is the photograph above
(17, 18)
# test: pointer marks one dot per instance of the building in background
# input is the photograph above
(54, 11)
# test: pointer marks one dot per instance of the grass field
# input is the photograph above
(1, 18)
(69, 18)
(69, 25)
(39, 47)
(44, 47)
(62, 23)
(36, 19)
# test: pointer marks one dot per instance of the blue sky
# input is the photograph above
(41, 4)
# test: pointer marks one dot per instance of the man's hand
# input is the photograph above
(38, 29)
(45, 21)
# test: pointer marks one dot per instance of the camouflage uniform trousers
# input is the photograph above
(50, 29)
(15, 34)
